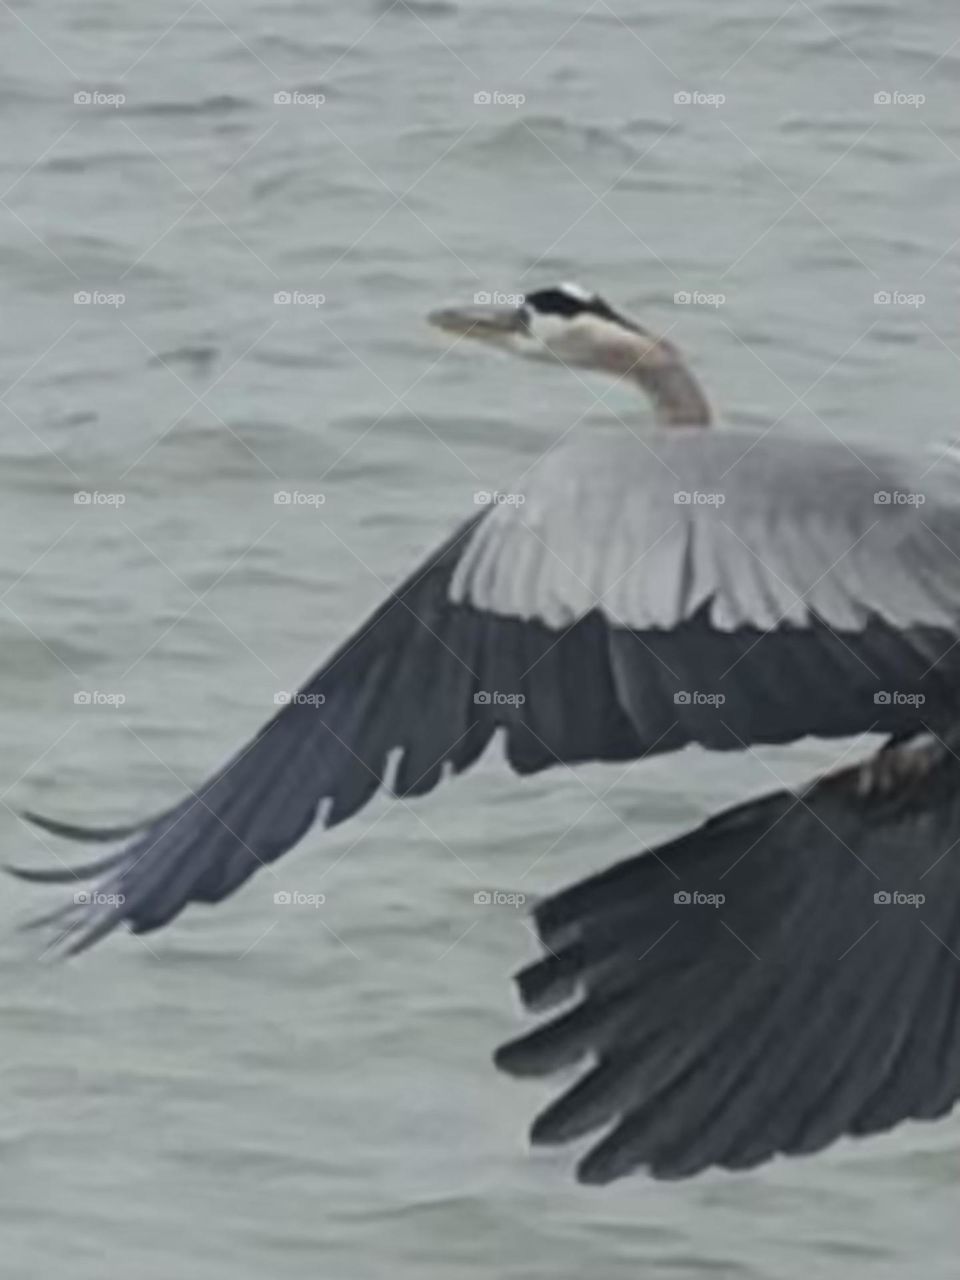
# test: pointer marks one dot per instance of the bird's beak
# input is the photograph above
(482, 320)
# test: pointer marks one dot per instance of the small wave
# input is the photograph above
(382, 281)
(416, 8)
(867, 11)
(648, 127)
(537, 136)
(100, 160)
(199, 356)
(819, 126)
(275, 358)
(78, 418)
(899, 337)
(317, 183)
(829, 46)
(842, 131)
(216, 105)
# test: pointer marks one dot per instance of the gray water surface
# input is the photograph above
(264, 1092)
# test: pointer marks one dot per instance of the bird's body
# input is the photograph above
(642, 591)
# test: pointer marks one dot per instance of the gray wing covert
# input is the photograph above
(620, 609)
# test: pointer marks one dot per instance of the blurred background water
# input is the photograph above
(300, 1091)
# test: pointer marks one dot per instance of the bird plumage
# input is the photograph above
(637, 593)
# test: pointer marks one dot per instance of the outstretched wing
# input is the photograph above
(786, 974)
(597, 619)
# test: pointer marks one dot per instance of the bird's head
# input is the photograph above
(569, 325)
(563, 323)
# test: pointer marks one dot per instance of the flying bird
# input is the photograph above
(785, 974)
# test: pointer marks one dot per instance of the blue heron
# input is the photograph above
(783, 975)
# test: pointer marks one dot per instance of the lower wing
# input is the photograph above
(784, 975)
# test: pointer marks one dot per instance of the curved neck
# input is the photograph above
(676, 395)
(658, 367)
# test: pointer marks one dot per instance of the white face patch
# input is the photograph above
(583, 339)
